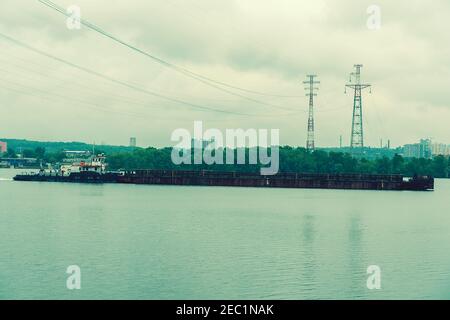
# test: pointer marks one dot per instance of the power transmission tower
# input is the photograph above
(357, 138)
(310, 88)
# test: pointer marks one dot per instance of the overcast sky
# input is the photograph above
(267, 46)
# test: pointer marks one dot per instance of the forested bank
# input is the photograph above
(290, 160)
(293, 160)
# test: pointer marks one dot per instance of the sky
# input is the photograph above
(263, 47)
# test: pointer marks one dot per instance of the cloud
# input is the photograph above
(267, 46)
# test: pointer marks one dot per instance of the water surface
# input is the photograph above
(181, 242)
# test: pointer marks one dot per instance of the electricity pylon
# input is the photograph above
(357, 138)
(311, 82)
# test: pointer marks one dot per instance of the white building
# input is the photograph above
(418, 150)
(440, 149)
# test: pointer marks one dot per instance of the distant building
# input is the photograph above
(411, 150)
(440, 149)
(132, 142)
(3, 147)
(418, 150)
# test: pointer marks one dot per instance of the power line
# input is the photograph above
(205, 80)
(110, 97)
(122, 83)
(51, 97)
(117, 98)
(135, 87)
(123, 98)
(72, 82)
(48, 93)
(72, 76)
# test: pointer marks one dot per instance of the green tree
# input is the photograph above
(440, 167)
(398, 164)
(10, 153)
(28, 153)
(39, 152)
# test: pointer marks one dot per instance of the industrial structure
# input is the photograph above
(310, 144)
(357, 136)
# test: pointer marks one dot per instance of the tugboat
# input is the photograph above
(91, 171)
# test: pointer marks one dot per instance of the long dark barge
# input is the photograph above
(240, 179)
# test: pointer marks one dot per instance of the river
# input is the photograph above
(181, 242)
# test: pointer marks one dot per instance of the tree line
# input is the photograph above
(290, 160)
(293, 160)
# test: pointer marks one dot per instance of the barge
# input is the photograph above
(96, 174)
(280, 180)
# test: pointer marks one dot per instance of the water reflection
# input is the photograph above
(308, 265)
(357, 265)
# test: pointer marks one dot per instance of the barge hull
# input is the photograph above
(281, 180)
(235, 179)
